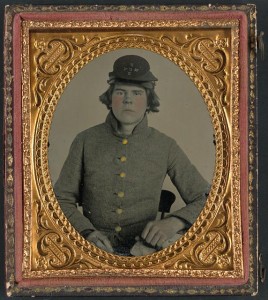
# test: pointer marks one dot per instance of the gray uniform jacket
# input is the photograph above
(118, 180)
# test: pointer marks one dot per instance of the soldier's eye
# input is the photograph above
(119, 93)
(137, 93)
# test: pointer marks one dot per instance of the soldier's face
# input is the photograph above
(129, 103)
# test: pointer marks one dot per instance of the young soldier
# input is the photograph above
(116, 169)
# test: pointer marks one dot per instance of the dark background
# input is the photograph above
(262, 20)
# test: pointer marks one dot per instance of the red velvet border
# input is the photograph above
(88, 16)
(243, 123)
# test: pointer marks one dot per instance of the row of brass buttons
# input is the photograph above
(121, 194)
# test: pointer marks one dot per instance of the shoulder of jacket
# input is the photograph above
(90, 132)
(162, 136)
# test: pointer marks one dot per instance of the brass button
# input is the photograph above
(118, 228)
(123, 158)
(121, 194)
(119, 211)
(122, 174)
(124, 141)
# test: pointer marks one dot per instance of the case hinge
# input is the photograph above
(262, 269)
(261, 44)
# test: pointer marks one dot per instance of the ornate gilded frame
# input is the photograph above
(45, 46)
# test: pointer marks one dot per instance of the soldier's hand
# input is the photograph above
(156, 233)
(100, 240)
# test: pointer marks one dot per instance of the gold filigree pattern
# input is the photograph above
(212, 248)
(201, 66)
(210, 55)
(215, 247)
(53, 55)
(55, 254)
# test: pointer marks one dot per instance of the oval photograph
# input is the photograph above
(131, 152)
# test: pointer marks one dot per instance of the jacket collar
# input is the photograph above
(112, 122)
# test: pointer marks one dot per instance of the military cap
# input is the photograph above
(132, 68)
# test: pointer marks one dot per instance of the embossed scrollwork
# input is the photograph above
(50, 245)
(97, 47)
(203, 59)
(214, 248)
(53, 56)
(209, 54)
(54, 254)
(56, 53)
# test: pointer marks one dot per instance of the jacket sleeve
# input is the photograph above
(68, 186)
(192, 187)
